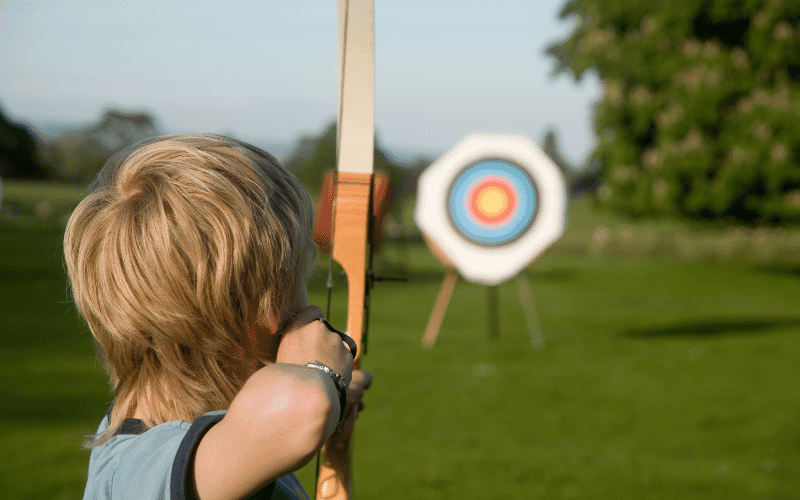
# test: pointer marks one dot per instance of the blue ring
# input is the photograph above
(495, 235)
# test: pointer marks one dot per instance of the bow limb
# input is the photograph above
(355, 146)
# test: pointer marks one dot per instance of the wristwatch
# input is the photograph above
(338, 381)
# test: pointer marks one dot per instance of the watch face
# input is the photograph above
(492, 202)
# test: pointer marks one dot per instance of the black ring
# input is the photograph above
(347, 339)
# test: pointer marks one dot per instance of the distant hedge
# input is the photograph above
(18, 152)
(700, 115)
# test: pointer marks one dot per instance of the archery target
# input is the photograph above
(492, 202)
(491, 205)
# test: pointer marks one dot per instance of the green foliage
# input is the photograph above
(19, 155)
(551, 148)
(312, 157)
(699, 107)
(78, 155)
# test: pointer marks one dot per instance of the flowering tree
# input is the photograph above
(701, 104)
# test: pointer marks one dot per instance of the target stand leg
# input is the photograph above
(442, 301)
(526, 300)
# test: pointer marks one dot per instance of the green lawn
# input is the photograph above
(38, 204)
(663, 377)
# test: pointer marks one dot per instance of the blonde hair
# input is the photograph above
(182, 242)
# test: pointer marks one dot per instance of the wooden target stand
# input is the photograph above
(488, 208)
(524, 294)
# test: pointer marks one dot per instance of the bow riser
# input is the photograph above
(350, 228)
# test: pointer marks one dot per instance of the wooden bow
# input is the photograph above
(355, 145)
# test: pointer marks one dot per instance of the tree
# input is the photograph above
(552, 149)
(18, 152)
(83, 152)
(314, 155)
(699, 107)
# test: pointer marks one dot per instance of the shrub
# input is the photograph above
(700, 100)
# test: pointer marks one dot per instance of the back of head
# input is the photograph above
(183, 241)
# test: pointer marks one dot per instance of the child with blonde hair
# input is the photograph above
(188, 261)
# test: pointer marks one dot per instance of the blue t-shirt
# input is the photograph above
(148, 464)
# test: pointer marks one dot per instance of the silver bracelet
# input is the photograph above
(338, 381)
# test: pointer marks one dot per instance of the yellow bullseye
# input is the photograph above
(491, 202)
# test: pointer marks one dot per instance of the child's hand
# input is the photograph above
(307, 339)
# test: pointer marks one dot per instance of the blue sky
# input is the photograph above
(268, 70)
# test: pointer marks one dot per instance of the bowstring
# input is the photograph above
(329, 282)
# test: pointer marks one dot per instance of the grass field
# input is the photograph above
(666, 374)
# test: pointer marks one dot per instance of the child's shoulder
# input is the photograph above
(155, 463)
(147, 463)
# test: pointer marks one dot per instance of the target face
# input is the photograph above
(492, 202)
(491, 205)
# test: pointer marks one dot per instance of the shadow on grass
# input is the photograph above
(713, 327)
(782, 269)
